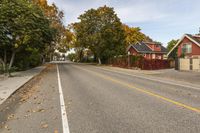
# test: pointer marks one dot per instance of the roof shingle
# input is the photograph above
(142, 47)
(194, 38)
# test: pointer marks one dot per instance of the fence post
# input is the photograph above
(129, 59)
(177, 64)
(191, 64)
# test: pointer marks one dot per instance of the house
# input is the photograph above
(188, 46)
(150, 50)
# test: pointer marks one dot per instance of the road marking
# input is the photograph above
(65, 124)
(153, 79)
(142, 90)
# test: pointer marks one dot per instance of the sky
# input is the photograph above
(162, 20)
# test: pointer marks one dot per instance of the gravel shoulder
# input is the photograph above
(34, 108)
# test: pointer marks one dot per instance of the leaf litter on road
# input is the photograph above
(44, 125)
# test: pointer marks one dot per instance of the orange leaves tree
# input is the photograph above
(134, 34)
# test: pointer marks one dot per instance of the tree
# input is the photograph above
(22, 26)
(170, 45)
(52, 13)
(66, 41)
(71, 56)
(100, 30)
(134, 34)
(79, 42)
(55, 16)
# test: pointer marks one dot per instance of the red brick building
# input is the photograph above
(188, 45)
(150, 50)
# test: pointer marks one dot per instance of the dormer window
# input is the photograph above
(157, 46)
(187, 48)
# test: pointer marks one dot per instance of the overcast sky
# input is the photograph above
(162, 20)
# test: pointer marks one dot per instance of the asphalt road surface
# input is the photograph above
(101, 101)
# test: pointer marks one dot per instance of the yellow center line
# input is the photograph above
(142, 90)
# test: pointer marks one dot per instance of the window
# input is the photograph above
(157, 46)
(186, 48)
(153, 56)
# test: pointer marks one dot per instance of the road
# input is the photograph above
(102, 101)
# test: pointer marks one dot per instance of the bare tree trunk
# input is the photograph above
(99, 61)
(3, 64)
(43, 59)
(50, 57)
(1, 61)
(5, 56)
(80, 55)
(5, 61)
(12, 60)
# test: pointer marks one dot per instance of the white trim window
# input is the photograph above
(187, 48)
(153, 56)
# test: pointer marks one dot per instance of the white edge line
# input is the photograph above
(65, 124)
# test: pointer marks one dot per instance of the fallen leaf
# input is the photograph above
(11, 116)
(44, 125)
(1, 99)
(26, 116)
(40, 110)
(6, 127)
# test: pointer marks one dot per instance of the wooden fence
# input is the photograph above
(139, 62)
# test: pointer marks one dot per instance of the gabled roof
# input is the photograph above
(142, 47)
(163, 49)
(192, 38)
(195, 38)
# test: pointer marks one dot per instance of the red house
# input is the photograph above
(188, 45)
(150, 50)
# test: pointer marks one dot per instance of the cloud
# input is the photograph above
(160, 19)
(73, 9)
(133, 11)
(129, 12)
(139, 13)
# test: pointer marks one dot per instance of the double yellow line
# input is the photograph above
(142, 90)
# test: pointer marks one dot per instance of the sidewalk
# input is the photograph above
(185, 76)
(171, 76)
(10, 85)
